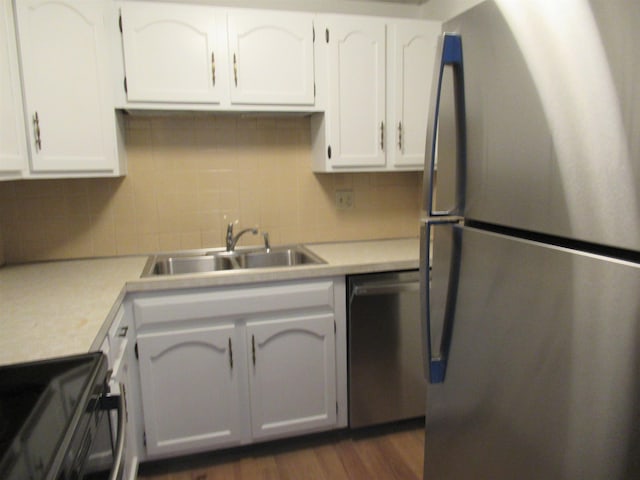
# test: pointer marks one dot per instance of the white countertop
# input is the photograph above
(57, 308)
(61, 308)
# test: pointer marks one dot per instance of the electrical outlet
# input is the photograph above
(344, 199)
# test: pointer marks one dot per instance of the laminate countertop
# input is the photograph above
(60, 308)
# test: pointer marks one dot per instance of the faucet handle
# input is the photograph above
(267, 244)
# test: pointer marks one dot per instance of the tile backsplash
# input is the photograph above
(191, 174)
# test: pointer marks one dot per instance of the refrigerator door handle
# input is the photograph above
(435, 363)
(449, 53)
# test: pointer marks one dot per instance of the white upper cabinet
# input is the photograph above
(174, 53)
(271, 57)
(374, 80)
(356, 91)
(411, 56)
(68, 95)
(201, 57)
(13, 146)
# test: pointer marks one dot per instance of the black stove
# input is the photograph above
(50, 413)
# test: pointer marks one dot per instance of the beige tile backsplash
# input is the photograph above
(189, 175)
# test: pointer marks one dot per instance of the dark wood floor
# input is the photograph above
(392, 452)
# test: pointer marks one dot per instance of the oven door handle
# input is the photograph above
(116, 471)
(119, 403)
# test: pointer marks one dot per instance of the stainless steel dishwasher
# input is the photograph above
(386, 381)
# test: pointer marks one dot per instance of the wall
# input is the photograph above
(408, 9)
(445, 9)
(186, 175)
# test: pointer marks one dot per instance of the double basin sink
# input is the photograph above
(199, 261)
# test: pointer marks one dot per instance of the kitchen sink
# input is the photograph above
(174, 265)
(280, 257)
(198, 261)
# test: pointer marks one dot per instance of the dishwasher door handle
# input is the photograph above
(389, 288)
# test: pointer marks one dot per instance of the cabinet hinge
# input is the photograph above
(135, 350)
(335, 328)
(125, 85)
(144, 438)
(120, 22)
(314, 90)
(313, 34)
(336, 409)
(326, 34)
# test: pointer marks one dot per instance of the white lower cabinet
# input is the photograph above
(190, 389)
(292, 375)
(234, 365)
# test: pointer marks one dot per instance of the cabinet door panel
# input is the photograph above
(172, 52)
(357, 92)
(271, 58)
(64, 57)
(190, 393)
(292, 375)
(415, 45)
(13, 143)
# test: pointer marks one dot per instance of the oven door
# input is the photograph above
(104, 457)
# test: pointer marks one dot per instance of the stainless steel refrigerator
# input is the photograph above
(530, 244)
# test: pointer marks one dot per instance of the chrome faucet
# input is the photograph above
(232, 240)
(267, 243)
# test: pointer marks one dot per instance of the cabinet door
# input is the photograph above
(292, 375)
(190, 389)
(412, 47)
(271, 57)
(356, 103)
(68, 93)
(13, 144)
(173, 53)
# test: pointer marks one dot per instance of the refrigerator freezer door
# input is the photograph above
(543, 371)
(552, 108)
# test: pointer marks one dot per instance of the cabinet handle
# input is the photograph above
(253, 349)
(382, 136)
(235, 70)
(400, 136)
(36, 131)
(230, 355)
(213, 68)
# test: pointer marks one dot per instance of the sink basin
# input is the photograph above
(278, 257)
(198, 261)
(191, 264)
